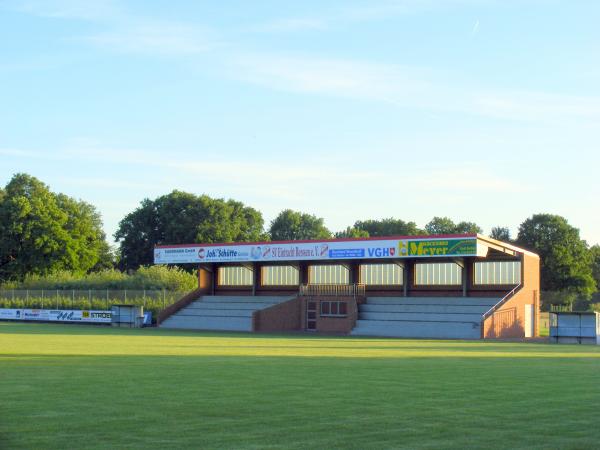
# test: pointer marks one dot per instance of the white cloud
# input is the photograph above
(407, 87)
(154, 37)
(124, 31)
(353, 12)
(291, 25)
(67, 9)
(346, 78)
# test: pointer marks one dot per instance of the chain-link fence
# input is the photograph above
(95, 299)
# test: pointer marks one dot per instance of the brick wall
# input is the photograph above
(284, 316)
(509, 320)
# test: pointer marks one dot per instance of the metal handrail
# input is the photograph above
(334, 290)
(502, 301)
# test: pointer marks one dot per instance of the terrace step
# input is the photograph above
(418, 329)
(423, 317)
(229, 313)
(419, 317)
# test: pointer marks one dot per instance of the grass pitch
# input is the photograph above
(90, 387)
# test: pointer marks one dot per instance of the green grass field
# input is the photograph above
(90, 387)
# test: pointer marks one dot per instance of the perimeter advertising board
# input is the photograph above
(58, 315)
(315, 251)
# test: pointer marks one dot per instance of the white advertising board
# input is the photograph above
(52, 315)
(318, 250)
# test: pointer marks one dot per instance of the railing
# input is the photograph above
(506, 298)
(561, 308)
(178, 305)
(333, 290)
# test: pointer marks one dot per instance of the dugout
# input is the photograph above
(582, 327)
(447, 286)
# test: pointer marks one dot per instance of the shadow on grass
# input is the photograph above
(7, 327)
(254, 343)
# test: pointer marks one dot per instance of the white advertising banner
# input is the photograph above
(58, 315)
(318, 250)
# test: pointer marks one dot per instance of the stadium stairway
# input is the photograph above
(423, 317)
(227, 313)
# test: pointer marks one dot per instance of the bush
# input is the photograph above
(153, 277)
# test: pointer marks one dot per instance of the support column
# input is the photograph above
(467, 275)
(213, 279)
(303, 272)
(353, 272)
(205, 279)
(255, 277)
(408, 274)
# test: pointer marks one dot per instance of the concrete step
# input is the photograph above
(233, 313)
(399, 308)
(215, 312)
(420, 317)
(243, 299)
(435, 330)
(208, 323)
(458, 301)
(204, 306)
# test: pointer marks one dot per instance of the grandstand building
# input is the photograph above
(446, 286)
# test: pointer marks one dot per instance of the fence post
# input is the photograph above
(27, 297)
(163, 299)
(106, 303)
(42, 299)
(125, 296)
(57, 299)
(72, 298)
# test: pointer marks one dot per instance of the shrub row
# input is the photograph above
(151, 277)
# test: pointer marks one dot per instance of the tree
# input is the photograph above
(467, 227)
(352, 232)
(566, 262)
(388, 227)
(42, 232)
(183, 218)
(445, 225)
(501, 234)
(595, 257)
(293, 225)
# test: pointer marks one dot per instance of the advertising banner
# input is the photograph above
(438, 247)
(59, 315)
(13, 314)
(314, 251)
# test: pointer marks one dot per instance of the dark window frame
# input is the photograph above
(331, 306)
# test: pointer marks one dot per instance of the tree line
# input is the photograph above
(42, 233)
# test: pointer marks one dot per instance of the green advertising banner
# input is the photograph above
(438, 247)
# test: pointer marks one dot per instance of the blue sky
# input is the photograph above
(479, 110)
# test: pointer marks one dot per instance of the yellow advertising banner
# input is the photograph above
(442, 247)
